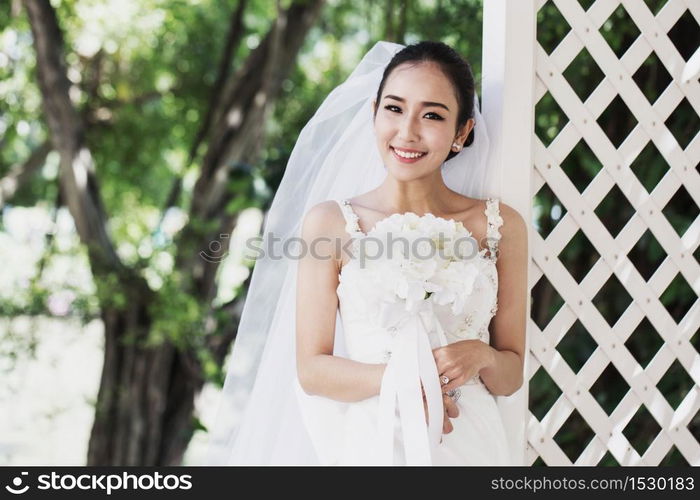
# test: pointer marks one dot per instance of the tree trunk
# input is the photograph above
(146, 397)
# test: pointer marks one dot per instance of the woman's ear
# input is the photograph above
(463, 132)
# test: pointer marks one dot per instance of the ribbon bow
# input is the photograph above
(411, 364)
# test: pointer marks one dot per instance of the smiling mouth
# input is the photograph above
(407, 155)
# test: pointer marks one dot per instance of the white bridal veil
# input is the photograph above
(260, 417)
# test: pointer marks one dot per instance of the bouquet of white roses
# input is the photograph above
(414, 258)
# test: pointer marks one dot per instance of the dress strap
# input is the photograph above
(352, 225)
(494, 222)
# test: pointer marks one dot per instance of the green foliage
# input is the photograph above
(181, 320)
(110, 292)
(177, 315)
(249, 187)
(197, 425)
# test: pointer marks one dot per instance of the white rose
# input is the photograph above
(421, 270)
(457, 283)
(437, 225)
(411, 221)
(464, 247)
(393, 223)
(413, 291)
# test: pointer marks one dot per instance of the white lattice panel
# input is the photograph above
(580, 214)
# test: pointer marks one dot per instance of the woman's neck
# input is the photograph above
(419, 196)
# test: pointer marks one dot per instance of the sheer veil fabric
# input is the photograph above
(264, 418)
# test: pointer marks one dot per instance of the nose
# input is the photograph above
(408, 128)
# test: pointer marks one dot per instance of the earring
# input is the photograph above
(456, 146)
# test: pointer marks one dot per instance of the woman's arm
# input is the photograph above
(500, 364)
(321, 373)
(504, 374)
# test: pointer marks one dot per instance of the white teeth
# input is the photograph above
(408, 155)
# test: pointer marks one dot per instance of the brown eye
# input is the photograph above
(435, 115)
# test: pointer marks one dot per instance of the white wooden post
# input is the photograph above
(508, 75)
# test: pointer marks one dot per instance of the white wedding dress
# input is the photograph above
(358, 433)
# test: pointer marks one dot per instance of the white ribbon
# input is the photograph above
(411, 364)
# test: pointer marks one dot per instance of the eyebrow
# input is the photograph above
(424, 103)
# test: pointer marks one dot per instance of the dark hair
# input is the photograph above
(455, 68)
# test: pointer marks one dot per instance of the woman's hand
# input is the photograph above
(462, 360)
(451, 411)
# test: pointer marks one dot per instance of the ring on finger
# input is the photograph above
(445, 379)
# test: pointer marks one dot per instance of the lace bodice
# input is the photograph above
(362, 308)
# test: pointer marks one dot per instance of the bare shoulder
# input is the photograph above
(513, 231)
(511, 217)
(323, 219)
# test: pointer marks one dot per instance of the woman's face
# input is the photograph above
(417, 117)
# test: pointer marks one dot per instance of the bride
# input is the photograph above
(353, 352)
